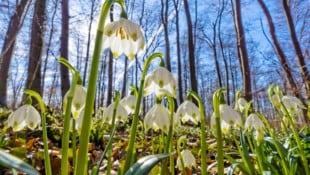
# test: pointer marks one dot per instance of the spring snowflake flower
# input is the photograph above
(129, 103)
(157, 118)
(253, 122)
(230, 116)
(188, 159)
(293, 105)
(79, 121)
(242, 103)
(25, 115)
(160, 82)
(121, 113)
(188, 111)
(78, 101)
(123, 36)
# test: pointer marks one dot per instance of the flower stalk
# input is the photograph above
(217, 100)
(202, 130)
(132, 135)
(47, 162)
(91, 92)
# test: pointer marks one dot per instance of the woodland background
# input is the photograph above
(235, 44)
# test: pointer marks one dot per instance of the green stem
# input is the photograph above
(47, 162)
(81, 167)
(73, 143)
(67, 117)
(297, 139)
(220, 155)
(181, 141)
(203, 131)
(113, 128)
(169, 138)
(132, 135)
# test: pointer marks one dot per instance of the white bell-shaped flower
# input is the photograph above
(253, 122)
(123, 36)
(188, 159)
(188, 111)
(129, 103)
(242, 103)
(225, 127)
(160, 82)
(25, 115)
(121, 114)
(79, 121)
(230, 116)
(157, 118)
(78, 101)
(293, 105)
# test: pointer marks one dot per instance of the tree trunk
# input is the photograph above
(179, 62)
(33, 81)
(124, 85)
(15, 24)
(242, 51)
(301, 60)
(191, 48)
(278, 49)
(110, 70)
(64, 39)
(164, 20)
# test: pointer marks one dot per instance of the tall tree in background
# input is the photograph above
(36, 47)
(242, 50)
(110, 69)
(279, 51)
(300, 57)
(191, 48)
(64, 38)
(8, 47)
(164, 20)
(179, 62)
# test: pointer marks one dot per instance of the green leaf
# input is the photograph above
(145, 164)
(10, 161)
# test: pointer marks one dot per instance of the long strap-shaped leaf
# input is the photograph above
(7, 160)
(145, 164)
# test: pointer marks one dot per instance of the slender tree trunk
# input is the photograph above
(242, 51)
(301, 60)
(64, 38)
(33, 81)
(8, 47)
(88, 39)
(124, 85)
(164, 20)
(49, 43)
(279, 50)
(179, 62)
(191, 48)
(110, 70)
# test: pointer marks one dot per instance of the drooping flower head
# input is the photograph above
(123, 36)
(160, 82)
(121, 113)
(253, 122)
(188, 159)
(78, 101)
(293, 105)
(129, 103)
(25, 115)
(188, 111)
(242, 103)
(157, 118)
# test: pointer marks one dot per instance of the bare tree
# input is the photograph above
(64, 38)
(280, 53)
(164, 20)
(300, 57)
(110, 70)
(242, 50)
(8, 47)
(36, 47)
(191, 48)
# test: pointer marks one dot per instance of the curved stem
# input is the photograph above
(203, 131)
(132, 135)
(217, 96)
(47, 162)
(81, 167)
